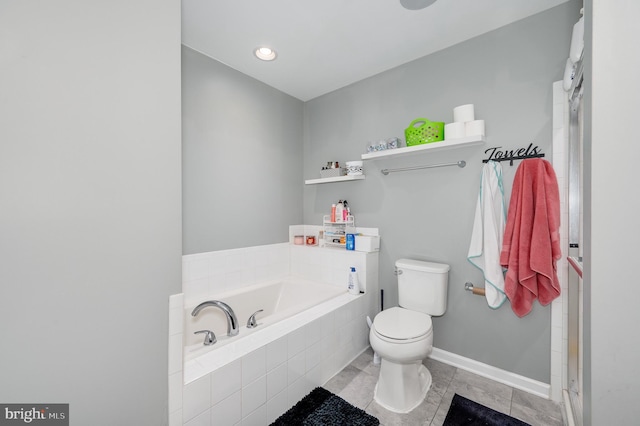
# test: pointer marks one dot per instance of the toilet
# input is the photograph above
(403, 336)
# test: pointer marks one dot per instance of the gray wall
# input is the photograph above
(89, 205)
(612, 344)
(242, 151)
(428, 214)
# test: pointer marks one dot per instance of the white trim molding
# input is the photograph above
(490, 372)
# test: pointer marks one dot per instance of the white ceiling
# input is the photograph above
(324, 45)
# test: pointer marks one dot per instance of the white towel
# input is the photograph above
(488, 231)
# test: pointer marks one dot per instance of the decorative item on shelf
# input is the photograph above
(383, 144)
(354, 168)
(495, 154)
(393, 143)
(311, 240)
(328, 173)
(298, 240)
(332, 169)
(422, 131)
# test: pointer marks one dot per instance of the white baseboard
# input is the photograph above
(490, 372)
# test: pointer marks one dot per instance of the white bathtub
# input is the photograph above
(279, 301)
(308, 332)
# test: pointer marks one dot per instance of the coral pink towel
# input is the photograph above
(531, 244)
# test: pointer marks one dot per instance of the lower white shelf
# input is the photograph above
(333, 179)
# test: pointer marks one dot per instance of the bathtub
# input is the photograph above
(279, 300)
(308, 332)
(311, 310)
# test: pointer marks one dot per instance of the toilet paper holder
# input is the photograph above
(475, 290)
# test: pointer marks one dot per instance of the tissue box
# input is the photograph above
(328, 173)
(367, 243)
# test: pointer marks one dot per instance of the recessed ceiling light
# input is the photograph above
(416, 4)
(265, 53)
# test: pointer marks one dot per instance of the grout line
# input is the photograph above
(511, 403)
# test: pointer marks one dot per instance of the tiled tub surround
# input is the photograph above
(257, 378)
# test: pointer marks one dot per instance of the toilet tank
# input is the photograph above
(422, 286)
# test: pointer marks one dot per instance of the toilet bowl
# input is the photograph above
(402, 338)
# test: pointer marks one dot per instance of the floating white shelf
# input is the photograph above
(434, 146)
(333, 179)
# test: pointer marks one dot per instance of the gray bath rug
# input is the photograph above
(322, 408)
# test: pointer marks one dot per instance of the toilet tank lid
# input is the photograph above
(419, 265)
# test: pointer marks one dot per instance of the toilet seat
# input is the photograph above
(398, 325)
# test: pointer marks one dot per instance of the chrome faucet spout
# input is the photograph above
(232, 321)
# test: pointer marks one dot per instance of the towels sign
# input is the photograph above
(496, 154)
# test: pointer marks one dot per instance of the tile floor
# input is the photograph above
(356, 382)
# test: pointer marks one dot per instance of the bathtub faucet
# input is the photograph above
(232, 321)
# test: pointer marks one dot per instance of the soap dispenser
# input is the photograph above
(354, 283)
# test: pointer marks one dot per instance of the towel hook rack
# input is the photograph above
(460, 164)
(511, 159)
(515, 154)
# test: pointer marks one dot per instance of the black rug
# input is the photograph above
(464, 412)
(321, 408)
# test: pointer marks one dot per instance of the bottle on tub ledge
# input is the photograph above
(354, 282)
(340, 212)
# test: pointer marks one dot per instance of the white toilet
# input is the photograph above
(403, 336)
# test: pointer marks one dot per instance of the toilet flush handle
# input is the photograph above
(398, 272)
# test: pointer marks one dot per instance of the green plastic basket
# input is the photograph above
(422, 131)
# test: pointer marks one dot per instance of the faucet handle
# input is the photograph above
(209, 338)
(251, 322)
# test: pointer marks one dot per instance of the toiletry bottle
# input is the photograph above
(351, 242)
(339, 211)
(345, 210)
(354, 284)
(333, 212)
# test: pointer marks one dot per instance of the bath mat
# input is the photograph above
(322, 408)
(464, 412)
